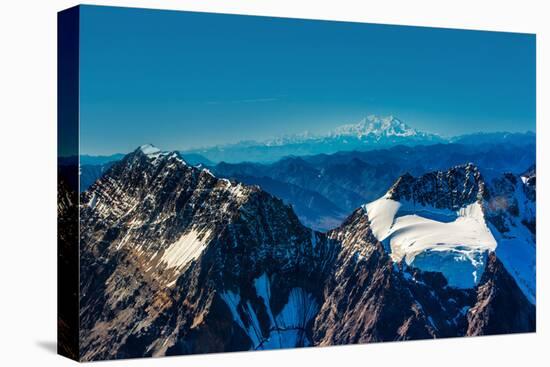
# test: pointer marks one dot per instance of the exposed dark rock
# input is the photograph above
(67, 257)
(501, 307)
(451, 189)
(370, 299)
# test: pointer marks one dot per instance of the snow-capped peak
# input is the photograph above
(454, 243)
(376, 126)
(152, 153)
(436, 223)
(149, 149)
(371, 126)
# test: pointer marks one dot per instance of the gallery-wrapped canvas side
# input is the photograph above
(67, 183)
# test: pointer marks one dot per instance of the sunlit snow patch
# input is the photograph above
(149, 149)
(431, 239)
(186, 249)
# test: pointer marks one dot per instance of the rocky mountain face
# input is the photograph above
(370, 298)
(174, 260)
(513, 196)
(89, 173)
(510, 209)
(67, 257)
(177, 261)
(501, 306)
(452, 189)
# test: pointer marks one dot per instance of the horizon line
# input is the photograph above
(231, 144)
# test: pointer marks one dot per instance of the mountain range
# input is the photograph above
(372, 132)
(176, 259)
(422, 237)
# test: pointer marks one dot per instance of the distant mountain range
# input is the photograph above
(370, 133)
(345, 180)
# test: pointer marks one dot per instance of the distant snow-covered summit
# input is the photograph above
(374, 125)
(372, 132)
(371, 126)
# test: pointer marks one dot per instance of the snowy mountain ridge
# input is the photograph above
(450, 221)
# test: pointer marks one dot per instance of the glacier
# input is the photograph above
(454, 243)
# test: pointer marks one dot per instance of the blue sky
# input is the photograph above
(182, 80)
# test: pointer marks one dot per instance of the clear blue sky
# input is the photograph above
(181, 80)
